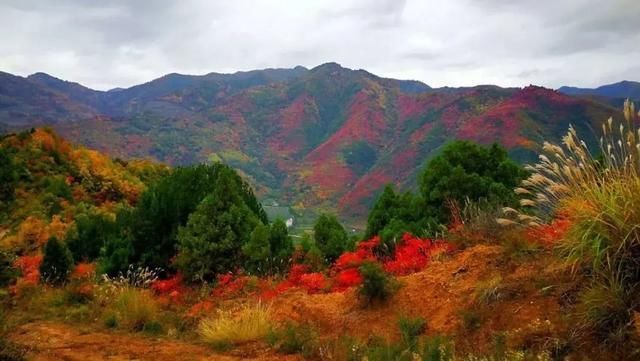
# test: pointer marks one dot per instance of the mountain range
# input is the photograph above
(616, 91)
(327, 138)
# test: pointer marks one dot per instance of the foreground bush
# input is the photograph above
(377, 285)
(294, 338)
(599, 198)
(135, 309)
(410, 330)
(250, 323)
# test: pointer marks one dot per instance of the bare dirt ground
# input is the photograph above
(48, 341)
(439, 294)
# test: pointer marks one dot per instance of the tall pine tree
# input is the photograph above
(211, 242)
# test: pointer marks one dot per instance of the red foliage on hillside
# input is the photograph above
(84, 270)
(412, 254)
(549, 234)
(29, 267)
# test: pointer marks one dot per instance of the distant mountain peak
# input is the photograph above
(622, 89)
(42, 75)
(329, 67)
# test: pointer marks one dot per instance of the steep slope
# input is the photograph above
(327, 138)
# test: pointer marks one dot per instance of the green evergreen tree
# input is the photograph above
(258, 250)
(211, 241)
(57, 262)
(8, 178)
(384, 210)
(117, 252)
(165, 206)
(89, 235)
(465, 170)
(330, 237)
(280, 241)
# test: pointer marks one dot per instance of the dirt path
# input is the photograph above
(54, 341)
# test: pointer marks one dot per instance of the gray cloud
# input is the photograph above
(110, 43)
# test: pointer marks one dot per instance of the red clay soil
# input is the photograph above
(54, 342)
(438, 294)
(526, 309)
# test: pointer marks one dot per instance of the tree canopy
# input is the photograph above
(57, 262)
(331, 238)
(167, 205)
(212, 240)
(462, 171)
(465, 170)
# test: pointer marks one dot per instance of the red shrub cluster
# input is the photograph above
(229, 285)
(411, 255)
(201, 308)
(549, 234)
(84, 270)
(29, 266)
(363, 253)
(313, 282)
(172, 290)
(346, 279)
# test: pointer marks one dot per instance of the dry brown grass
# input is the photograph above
(251, 322)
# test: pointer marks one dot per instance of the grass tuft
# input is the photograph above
(135, 308)
(250, 323)
(488, 291)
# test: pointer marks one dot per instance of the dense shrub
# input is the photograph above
(116, 256)
(294, 338)
(382, 212)
(89, 235)
(148, 234)
(377, 285)
(598, 201)
(8, 272)
(394, 214)
(281, 245)
(410, 330)
(58, 187)
(10, 351)
(57, 262)
(463, 172)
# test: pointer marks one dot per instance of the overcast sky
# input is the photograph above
(111, 43)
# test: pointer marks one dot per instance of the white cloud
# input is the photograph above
(121, 43)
